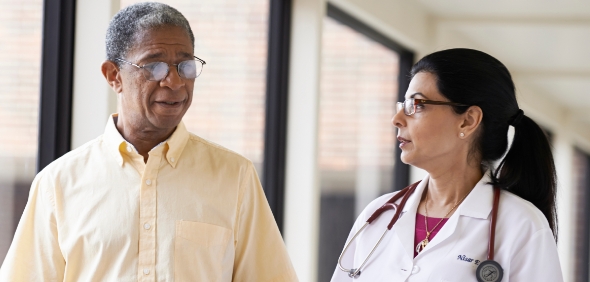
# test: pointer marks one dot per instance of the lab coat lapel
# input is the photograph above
(445, 232)
(477, 204)
(405, 226)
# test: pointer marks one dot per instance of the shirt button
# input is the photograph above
(148, 182)
(129, 149)
(415, 269)
(172, 159)
(146, 271)
(147, 226)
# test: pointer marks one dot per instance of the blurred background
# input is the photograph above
(306, 90)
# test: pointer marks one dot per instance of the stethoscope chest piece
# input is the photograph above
(489, 271)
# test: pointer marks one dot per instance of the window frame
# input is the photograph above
(277, 96)
(401, 171)
(57, 66)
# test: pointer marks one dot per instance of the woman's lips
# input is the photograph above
(402, 141)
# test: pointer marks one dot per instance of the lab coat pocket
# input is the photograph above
(202, 252)
(459, 268)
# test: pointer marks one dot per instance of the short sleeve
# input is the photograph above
(34, 254)
(261, 254)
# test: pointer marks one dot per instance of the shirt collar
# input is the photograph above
(174, 145)
(116, 144)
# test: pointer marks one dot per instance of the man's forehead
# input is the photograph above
(162, 42)
(157, 54)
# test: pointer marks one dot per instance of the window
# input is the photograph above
(20, 62)
(357, 144)
(582, 222)
(229, 96)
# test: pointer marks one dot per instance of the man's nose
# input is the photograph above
(173, 80)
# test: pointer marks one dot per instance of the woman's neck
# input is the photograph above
(447, 187)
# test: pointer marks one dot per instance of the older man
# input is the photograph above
(147, 200)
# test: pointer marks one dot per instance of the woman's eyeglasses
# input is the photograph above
(157, 71)
(409, 105)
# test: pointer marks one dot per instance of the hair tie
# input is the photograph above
(516, 118)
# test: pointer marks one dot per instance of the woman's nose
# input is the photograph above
(398, 119)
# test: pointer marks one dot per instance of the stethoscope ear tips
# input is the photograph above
(353, 273)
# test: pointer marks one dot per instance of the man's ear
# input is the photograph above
(112, 74)
(471, 120)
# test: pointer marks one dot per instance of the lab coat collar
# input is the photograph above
(480, 201)
(477, 204)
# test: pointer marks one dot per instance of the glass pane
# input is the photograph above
(20, 60)
(356, 138)
(229, 96)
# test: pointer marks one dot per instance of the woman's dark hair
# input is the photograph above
(475, 78)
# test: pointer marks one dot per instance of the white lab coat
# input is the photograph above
(525, 247)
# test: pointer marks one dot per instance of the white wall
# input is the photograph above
(301, 231)
(93, 99)
(406, 22)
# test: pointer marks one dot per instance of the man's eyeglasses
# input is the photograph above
(409, 105)
(157, 71)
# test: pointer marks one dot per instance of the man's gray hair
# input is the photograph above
(128, 24)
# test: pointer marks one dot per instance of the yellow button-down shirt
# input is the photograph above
(194, 212)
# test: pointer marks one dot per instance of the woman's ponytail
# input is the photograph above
(475, 78)
(528, 170)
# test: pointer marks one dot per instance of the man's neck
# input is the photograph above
(142, 138)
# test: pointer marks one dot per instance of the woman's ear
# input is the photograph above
(112, 74)
(471, 120)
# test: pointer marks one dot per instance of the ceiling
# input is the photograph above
(521, 9)
(545, 44)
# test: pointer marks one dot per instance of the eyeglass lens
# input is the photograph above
(157, 71)
(407, 106)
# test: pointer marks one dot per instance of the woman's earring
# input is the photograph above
(462, 134)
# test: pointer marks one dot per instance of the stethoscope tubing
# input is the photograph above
(493, 224)
(405, 193)
(390, 204)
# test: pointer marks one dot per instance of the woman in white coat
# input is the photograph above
(454, 124)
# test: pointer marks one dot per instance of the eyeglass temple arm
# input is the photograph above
(201, 60)
(422, 101)
(118, 59)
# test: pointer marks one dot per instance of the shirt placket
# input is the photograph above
(147, 220)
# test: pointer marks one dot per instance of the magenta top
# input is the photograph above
(420, 233)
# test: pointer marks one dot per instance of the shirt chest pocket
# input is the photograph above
(202, 252)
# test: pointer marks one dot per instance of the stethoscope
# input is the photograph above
(487, 271)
